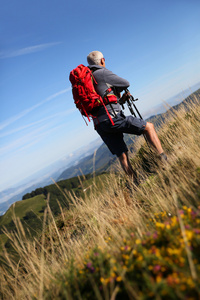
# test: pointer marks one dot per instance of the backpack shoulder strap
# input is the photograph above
(93, 69)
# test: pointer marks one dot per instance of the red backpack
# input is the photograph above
(84, 94)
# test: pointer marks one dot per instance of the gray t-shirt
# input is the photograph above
(106, 79)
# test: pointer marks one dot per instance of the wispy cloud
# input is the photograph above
(26, 50)
(27, 126)
(29, 139)
(28, 110)
(25, 139)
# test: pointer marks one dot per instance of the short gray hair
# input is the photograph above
(94, 57)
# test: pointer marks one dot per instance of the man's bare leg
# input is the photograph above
(154, 141)
(152, 137)
(126, 165)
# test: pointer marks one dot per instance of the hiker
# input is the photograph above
(112, 135)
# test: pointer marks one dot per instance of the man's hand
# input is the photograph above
(123, 99)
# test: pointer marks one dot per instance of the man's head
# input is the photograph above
(96, 58)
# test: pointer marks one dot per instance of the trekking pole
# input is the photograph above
(130, 107)
(130, 102)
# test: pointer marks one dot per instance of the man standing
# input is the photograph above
(106, 84)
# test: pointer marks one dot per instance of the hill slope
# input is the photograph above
(30, 211)
(121, 241)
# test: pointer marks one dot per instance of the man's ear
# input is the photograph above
(102, 62)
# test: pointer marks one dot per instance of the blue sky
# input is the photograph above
(153, 44)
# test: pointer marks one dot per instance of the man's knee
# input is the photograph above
(149, 127)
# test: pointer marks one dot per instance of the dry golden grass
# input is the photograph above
(109, 213)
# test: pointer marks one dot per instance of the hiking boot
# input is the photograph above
(163, 157)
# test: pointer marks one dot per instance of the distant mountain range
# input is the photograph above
(178, 98)
(94, 157)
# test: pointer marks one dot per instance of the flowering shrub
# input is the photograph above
(164, 264)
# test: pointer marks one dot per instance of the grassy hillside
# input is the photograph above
(30, 210)
(20, 208)
(121, 241)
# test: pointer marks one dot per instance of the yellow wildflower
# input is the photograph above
(107, 280)
(138, 241)
(125, 256)
(134, 252)
(113, 274)
(140, 258)
(102, 280)
(174, 251)
(157, 252)
(158, 278)
(182, 259)
(160, 225)
(173, 221)
(190, 282)
(189, 234)
(119, 278)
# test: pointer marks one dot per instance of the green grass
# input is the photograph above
(37, 204)
(20, 208)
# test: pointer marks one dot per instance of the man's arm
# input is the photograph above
(106, 79)
(113, 80)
